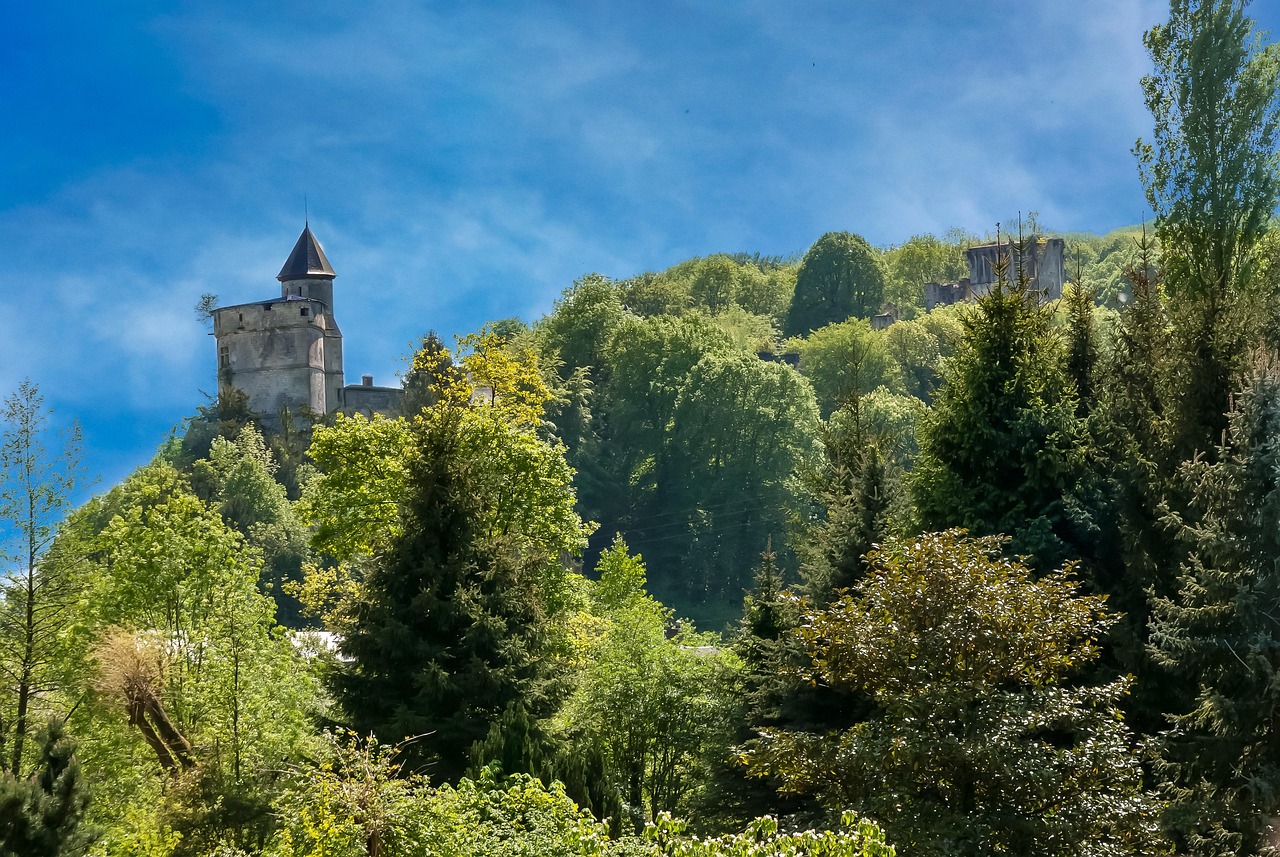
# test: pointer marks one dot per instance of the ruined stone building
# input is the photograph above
(1042, 261)
(286, 352)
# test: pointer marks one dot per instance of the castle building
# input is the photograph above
(1042, 263)
(286, 352)
(1041, 260)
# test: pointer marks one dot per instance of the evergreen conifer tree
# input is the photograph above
(449, 633)
(769, 696)
(1220, 635)
(43, 815)
(1001, 451)
(454, 628)
(1134, 460)
(1082, 345)
(857, 489)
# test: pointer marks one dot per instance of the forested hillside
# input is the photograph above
(705, 544)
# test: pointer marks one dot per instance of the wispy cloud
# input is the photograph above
(465, 163)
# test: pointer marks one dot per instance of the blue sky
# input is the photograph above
(464, 162)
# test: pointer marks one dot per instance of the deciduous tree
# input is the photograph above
(839, 277)
(982, 738)
(1212, 176)
(36, 488)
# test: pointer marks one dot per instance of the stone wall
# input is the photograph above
(369, 400)
(1042, 262)
(280, 352)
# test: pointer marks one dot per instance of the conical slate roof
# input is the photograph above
(307, 261)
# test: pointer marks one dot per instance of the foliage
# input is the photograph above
(999, 452)
(356, 802)
(983, 740)
(1212, 176)
(353, 503)
(649, 705)
(918, 354)
(518, 816)
(1081, 346)
(714, 285)
(741, 428)
(845, 360)
(582, 324)
(173, 591)
(839, 277)
(36, 485)
(429, 367)
(183, 676)
(458, 610)
(43, 815)
(505, 376)
(860, 495)
(700, 440)
(351, 802)
(921, 259)
(749, 332)
(762, 838)
(892, 420)
(1218, 634)
(1131, 424)
(239, 477)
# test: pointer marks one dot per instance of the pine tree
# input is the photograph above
(1082, 345)
(858, 492)
(450, 632)
(768, 691)
(1001, 451)
(1136, 463)
(459, 612)
(1220, 635)
(43, 815)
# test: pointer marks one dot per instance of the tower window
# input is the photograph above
(242, 316)
(224, 357)
(304, 310)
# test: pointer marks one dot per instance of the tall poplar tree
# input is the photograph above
(1212, 177)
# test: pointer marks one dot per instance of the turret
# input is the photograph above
(307, 273)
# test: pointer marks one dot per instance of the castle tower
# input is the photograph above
(285, 352)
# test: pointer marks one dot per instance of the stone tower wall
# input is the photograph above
(283, 352)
